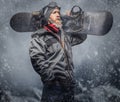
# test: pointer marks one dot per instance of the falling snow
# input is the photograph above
(97, 60)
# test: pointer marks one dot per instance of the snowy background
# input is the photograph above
(97, 60)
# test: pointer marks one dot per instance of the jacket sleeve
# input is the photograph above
(37, 54)
(77, 38)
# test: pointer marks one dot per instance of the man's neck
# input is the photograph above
(52, 27)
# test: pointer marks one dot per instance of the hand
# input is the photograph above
(68, 13)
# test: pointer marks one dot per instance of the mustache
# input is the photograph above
(59, 20)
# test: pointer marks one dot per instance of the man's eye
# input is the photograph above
(54, 12)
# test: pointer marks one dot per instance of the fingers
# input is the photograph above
(68, 13)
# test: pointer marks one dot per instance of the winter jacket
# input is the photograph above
(52, 57)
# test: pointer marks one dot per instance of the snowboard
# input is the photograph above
(25, 21)
(91, 23)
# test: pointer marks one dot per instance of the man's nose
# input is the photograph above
(58, 15)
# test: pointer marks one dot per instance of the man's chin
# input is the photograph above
(57, 23)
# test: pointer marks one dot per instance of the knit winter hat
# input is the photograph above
(47, 10)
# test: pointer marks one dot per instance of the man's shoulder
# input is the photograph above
(39, 33)
(42, 35)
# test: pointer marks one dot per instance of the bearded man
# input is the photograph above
(51, 56)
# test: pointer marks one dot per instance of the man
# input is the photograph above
(51, 56)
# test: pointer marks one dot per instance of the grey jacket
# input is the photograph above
(51, 58)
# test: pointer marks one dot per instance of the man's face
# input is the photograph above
(55, 16)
